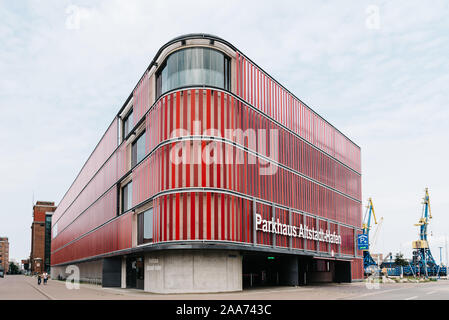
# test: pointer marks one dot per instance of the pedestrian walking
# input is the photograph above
(45, 277)
(39, 279)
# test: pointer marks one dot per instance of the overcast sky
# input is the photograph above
(377, 70)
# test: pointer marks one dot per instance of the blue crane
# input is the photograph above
(422, 257)
(368, 261)
(423, 262)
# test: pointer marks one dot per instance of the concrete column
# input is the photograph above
(123, 272)
(190, 271)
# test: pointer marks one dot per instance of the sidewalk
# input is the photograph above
(23, 287)
(57, 290)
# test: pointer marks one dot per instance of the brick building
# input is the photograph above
(41, 236)
(4, 253)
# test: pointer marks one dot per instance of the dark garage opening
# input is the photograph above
(262, 270)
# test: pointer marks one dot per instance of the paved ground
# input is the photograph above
(22, 287)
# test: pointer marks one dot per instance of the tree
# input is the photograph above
(399, 260)
(13, 269)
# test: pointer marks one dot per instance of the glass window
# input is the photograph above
(145, 226)
(193, 66)
(55, 230)
(128, 123)
(138, 150)
(127, 197)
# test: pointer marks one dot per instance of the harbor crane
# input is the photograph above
(422, 256)
(423, 263)
(368, 262)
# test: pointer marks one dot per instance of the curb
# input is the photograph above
(49, 297)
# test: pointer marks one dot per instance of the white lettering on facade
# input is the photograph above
(304, 232)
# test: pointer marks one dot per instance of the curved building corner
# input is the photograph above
(212, 177)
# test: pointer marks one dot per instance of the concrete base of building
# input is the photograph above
(193, 271)
(205, 271)
(183, 271)
(89, 272)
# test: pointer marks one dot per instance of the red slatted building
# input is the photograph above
(212, 177)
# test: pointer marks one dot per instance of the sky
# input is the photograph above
(376, 70)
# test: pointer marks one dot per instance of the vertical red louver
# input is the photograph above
(317, 176)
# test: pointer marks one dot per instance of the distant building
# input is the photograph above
(41, 236)
(26, 264)
(4, 253)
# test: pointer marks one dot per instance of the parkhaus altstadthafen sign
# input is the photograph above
(301, 231)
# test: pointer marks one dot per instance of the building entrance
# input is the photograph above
(271, 270)
(135, 272)
(260, 270)
(291, 270)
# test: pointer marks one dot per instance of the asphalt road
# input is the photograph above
(409, 291)
(25, 288)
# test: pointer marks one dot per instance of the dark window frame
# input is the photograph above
(141, 226)
(226, 69)
(122, 197)
(134, 151)
(126, 129)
